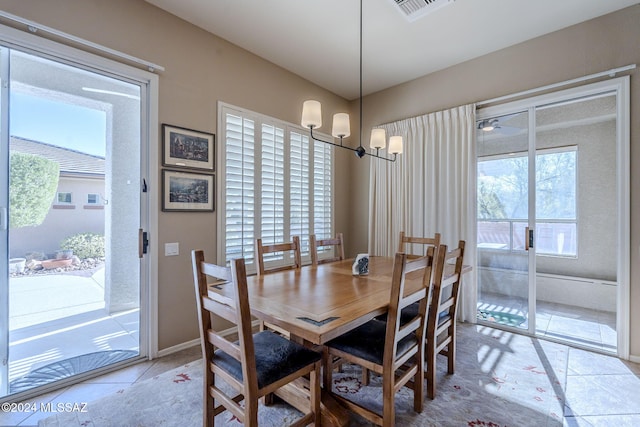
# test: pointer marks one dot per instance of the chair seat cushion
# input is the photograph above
(411, 311)
(276, 357)
(367, 342)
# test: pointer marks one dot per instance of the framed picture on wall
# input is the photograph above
(187, 148)
(187, 192)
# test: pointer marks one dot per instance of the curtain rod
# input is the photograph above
(35, 27)
(610, 73)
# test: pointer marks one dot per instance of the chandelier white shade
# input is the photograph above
(341, 127)
(395, 145)
(311, 114)
(378, 139)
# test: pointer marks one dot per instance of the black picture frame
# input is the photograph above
(187, 191)
(188, 148)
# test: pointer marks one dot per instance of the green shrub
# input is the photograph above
(85, 245)
(33, 181)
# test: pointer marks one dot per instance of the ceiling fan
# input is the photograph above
(494, 125)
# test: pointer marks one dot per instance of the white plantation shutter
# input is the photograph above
(275, 183)
(322, 193)
(239, 231)
(272, 188)
(299, 189)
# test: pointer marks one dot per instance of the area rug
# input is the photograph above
(173, 398)
(501, 380)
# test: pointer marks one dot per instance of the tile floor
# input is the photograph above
(591, 329)
(95, 388)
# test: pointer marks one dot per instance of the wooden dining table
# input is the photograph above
(318, 303)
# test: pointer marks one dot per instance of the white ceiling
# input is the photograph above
(319, 39)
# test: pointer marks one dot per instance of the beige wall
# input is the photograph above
(598, 45)
(201, 69)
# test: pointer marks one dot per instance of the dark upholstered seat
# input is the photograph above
(367, 342)
(409, 313)
(276, 358)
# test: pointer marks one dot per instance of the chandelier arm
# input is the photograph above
(382, 157)
(329, 142)
(365, 153)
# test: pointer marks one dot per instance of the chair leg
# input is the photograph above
(314, 394)
(430, 371)
(451, 350)
(327, 369)
(267, 399)
(388, 402)
(365, 376)
(250, 411)
(209, 404)
(418, 385)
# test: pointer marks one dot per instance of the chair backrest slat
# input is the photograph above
(337, 242)
(405, 242)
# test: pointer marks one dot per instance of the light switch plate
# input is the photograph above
(171, 249)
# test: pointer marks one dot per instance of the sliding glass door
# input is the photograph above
(72, 206)
(552, 212)
(503, 219)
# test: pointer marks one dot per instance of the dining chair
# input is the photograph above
(387, 348)
(261, 250)
(441, 320)
(337, 242)
(255, 365)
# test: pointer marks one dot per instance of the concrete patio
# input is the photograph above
(58, 316)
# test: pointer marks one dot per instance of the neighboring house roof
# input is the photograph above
(71, 162)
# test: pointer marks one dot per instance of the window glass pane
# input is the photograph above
(556, 185)
(556, 202)
(502, 188)
(64, 197)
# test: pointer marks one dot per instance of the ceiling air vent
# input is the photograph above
(414, 9)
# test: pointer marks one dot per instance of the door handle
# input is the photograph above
(143, 242)
(528, 239)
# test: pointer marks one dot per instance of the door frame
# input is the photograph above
(620, 86)
(149, 83)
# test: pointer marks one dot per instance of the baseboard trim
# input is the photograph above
(176, 348)
(634, 359)
(185, 345)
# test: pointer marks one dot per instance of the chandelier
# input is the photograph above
(312, 119)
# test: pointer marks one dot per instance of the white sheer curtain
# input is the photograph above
(429, 189)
